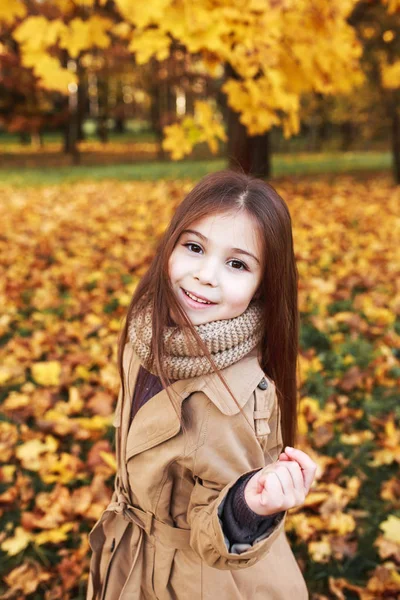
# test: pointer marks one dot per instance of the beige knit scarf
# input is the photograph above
(227, 341)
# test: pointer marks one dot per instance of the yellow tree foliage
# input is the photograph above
(391, 75)
(202, 127)
(36, 35)
(278, 50)
(393, 6)
(81, 35)
(11, 10)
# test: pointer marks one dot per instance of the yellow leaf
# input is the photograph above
(109, 459)
(81, 35)
(25, 579)
(30, 452)
(8, 439)
(63, 469)
(54, 77)
(61, 423)
(320, 551)
(148, 43)
(96, 423)
(175, 141)
(54, 536)
(356, 438)
(341, 523)
(142, 14)
(310, 406)
(309, 365)
(37, 34)
(391, 529)
(82, 372)
(47, 373)
(14, 401)
(204, 126)
(385, 456)
(7, 473)
(302, 425)
(11, 10)
(75, 402)
(17, 543)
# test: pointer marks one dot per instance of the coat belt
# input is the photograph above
(174, 537)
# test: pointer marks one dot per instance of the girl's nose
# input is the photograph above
(207, 273)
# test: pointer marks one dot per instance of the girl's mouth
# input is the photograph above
(195, 301)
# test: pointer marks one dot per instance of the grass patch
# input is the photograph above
(282, 165)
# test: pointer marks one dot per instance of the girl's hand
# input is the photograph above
(282, 485)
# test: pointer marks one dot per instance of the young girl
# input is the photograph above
(207, 358)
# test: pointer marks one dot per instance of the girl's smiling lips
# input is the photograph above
(194, 303)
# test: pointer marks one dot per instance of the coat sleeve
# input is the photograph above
(240, 524)
(231, 448)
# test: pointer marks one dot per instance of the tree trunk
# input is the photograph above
(155, 116)
(347, 130)
(119, 125)
(396, 142)
(71, 125)
(250, 153)
(24, 138)
(102, 128)
(71, 133)
(81, 102)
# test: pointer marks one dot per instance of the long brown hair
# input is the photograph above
(217, 193)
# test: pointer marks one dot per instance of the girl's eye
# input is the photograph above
(238, 265)
(193, 247)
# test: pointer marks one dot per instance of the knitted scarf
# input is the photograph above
(227, 341)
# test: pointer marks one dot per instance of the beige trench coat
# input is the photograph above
(161, 536)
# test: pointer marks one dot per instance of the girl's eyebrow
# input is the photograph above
(205, 239)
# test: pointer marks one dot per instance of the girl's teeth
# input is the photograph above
(196, 299)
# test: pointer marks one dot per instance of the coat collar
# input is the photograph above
(158, 420)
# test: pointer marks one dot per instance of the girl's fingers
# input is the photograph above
(271, 489)
(290, 479)
(290, 474)
(283, 456)
(306, 464)
(297, 476)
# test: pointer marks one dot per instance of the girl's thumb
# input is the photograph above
(284, 456)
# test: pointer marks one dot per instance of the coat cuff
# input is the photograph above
(240, 524)
(239, 555)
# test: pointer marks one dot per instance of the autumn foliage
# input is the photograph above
(71, 257)
(276, 50)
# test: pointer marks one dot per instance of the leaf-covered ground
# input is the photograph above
(70, 258)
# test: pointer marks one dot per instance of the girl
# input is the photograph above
(207, 358)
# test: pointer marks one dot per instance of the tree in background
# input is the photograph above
(270, 52)
(264, 54)
(343, 122)
(377, 23)
(24, 105)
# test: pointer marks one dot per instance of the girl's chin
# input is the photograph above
(194, 317)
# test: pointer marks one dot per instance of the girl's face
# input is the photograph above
(216, 266)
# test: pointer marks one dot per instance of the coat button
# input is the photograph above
(263, 384)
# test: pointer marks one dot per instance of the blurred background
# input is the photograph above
(110, 111)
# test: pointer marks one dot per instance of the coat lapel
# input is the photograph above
(241, 378)
(159, 420)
